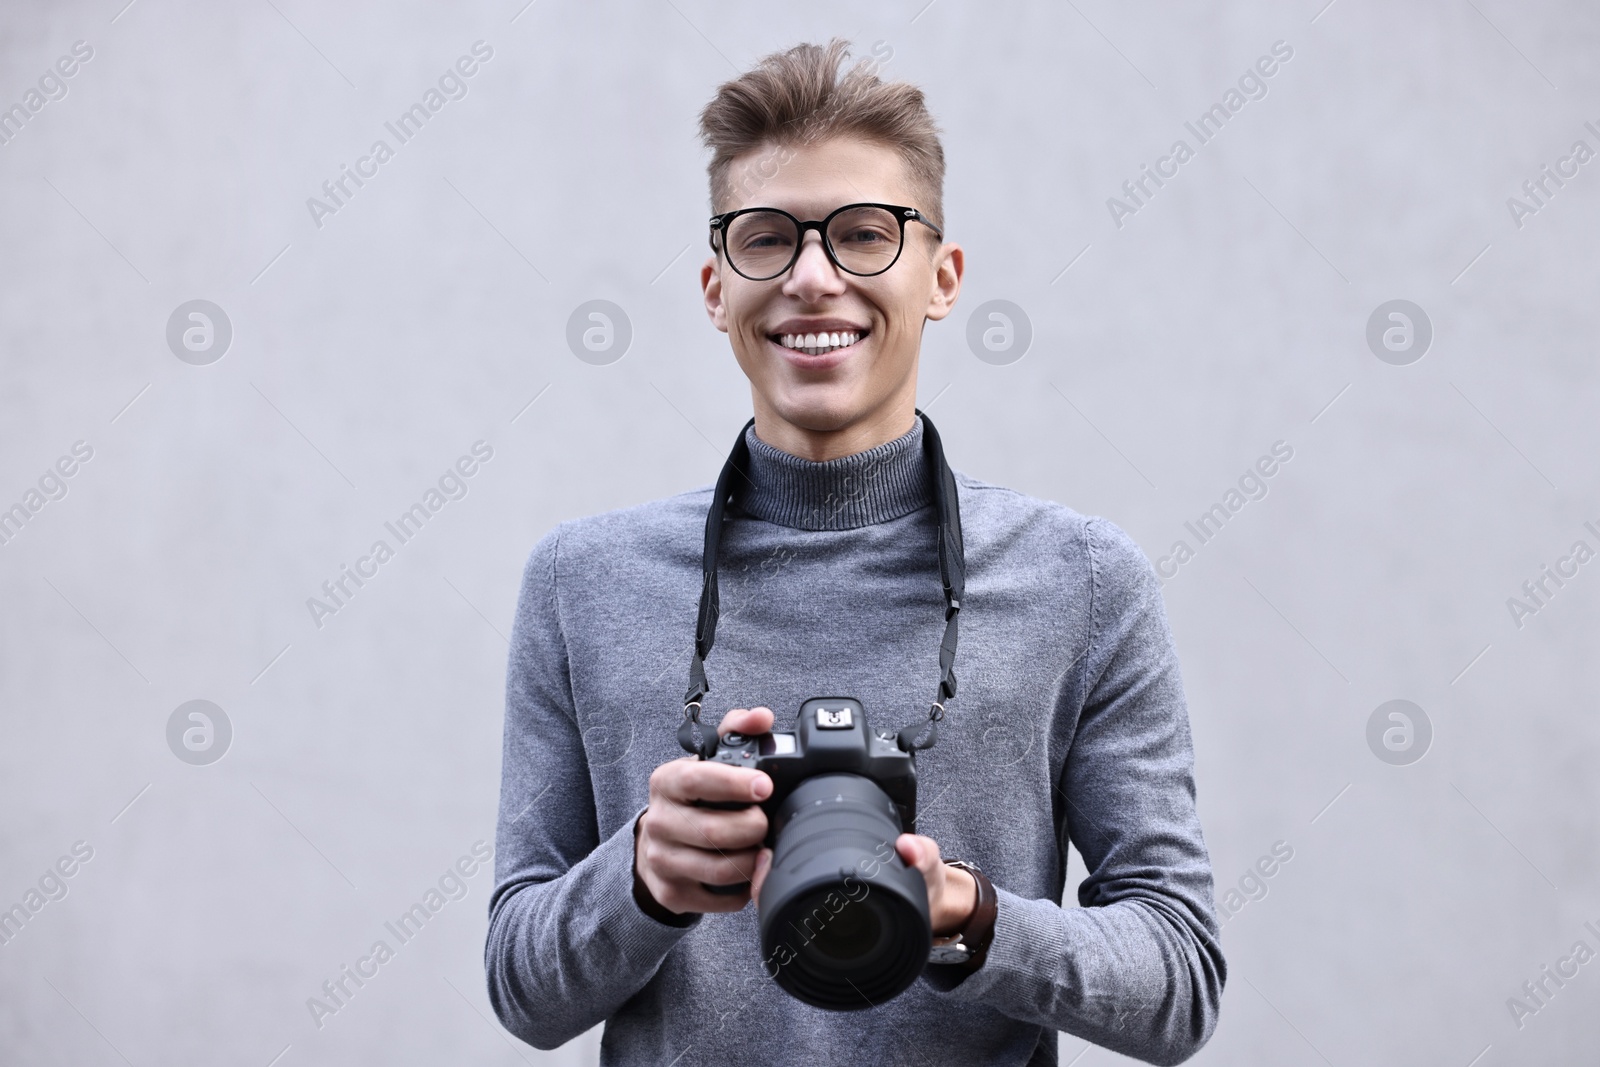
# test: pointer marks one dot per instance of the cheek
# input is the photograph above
(741, 307)
(901, 332)
(763, 367)
(753, 345)
(905, 305)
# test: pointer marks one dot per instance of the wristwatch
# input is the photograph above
(970, 944)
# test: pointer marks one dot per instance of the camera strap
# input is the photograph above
(701, 740)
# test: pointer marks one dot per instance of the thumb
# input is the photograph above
(913, 851)
(747, 721)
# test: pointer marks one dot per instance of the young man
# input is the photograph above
(1070, 723)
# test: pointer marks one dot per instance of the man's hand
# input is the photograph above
(952, 892)
(678, 846)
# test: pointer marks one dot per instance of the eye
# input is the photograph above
(761, 233)
(866, 235)
(764, 240)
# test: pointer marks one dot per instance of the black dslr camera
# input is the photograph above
(844, 921)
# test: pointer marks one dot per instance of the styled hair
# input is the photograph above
(802, 97)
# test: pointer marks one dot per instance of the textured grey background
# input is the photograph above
(1227, 314)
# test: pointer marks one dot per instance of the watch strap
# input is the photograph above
(978, 931)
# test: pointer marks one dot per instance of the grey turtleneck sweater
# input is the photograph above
(1070, 724)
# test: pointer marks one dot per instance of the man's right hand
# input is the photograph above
(677, 846)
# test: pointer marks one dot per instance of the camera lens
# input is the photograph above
(844, 922)
(855, 932)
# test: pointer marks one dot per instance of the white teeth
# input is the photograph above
(816, 343)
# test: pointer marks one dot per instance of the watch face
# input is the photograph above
(957, 953)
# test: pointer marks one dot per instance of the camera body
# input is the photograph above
(832, 737)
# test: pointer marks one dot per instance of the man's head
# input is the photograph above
(799, 134)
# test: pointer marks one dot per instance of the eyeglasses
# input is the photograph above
(861, 239)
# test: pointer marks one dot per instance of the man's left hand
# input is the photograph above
(952, 892)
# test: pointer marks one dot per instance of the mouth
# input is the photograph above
(821, 343)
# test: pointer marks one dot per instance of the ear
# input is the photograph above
(711, 287)
(948, 264)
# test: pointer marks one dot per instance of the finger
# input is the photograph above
(690, 896)
(697, 899)
(707, 828)
(692, 866)
(757, 880)
(747, 721)
(685, 780)
(909, 849)
(919, 852)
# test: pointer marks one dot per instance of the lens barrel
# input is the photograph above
(844, 921)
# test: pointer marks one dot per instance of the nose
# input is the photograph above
(813, 275)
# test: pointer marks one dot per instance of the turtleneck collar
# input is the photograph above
(869, 487)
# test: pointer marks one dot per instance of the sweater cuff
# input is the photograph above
(1022, 937)
(640, 936)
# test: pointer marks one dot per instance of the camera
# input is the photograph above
(844, 920)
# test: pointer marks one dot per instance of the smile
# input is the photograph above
(818, 344)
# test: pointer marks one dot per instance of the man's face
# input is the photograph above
(852, 391)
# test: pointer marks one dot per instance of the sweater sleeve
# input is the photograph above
(567, 943)
(1137, 969)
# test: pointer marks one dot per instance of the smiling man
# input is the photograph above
(620, 896)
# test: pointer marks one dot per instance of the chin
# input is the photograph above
(819, 414)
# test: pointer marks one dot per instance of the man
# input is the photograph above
(1070, 723)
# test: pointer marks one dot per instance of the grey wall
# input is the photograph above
(1229, 312)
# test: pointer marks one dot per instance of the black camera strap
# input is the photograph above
(701, 740)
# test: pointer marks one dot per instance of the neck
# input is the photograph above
(890, 420)
(861, 489)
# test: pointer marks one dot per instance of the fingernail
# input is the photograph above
(761, 787)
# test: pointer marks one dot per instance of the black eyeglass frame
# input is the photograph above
(902, 214)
